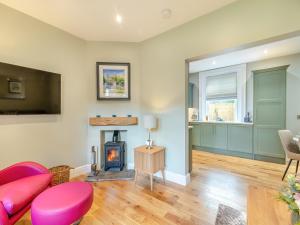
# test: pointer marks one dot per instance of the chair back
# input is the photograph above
(286, 137)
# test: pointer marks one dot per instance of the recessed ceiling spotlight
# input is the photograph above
(166, 13)
(119, 18)
(214, 62)
(266, 51)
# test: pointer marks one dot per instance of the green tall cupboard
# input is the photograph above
(269, 111)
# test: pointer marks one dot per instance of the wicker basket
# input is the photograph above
(61, 174)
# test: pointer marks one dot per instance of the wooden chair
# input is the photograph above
(286, 138)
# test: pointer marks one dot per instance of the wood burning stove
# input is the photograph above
(114, 153)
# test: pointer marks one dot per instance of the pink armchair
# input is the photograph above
(19, 185)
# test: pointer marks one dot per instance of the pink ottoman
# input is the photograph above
(63, 204)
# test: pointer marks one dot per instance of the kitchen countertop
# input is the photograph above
(221, 122)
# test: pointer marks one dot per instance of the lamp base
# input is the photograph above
(149, 144)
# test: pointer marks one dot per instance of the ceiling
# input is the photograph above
(95, 20)
(271, 50)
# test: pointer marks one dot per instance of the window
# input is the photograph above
(223, 93)
(222, 109)
(221, 97)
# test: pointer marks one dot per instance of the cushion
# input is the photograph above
(18, 194)
(294, 147)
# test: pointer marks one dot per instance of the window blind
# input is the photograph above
(221, 86)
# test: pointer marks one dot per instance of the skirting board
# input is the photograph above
(81, 170)
(170, 176)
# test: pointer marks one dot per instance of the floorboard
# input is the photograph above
(215, 179)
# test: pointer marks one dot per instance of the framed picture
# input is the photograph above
(15, 87)
(113, 81)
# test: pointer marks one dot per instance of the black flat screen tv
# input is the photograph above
(28, 91)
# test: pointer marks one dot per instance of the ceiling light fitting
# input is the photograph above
(166, 13)
(119, 19)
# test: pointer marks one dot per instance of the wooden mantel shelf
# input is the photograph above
(113, 121)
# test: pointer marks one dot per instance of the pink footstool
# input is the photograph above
(63, 204)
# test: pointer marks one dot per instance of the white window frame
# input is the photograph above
(240, 70)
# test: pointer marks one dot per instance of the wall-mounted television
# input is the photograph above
(28, 91)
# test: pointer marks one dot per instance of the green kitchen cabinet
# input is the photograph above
(220, 137)
(213, 135)
(195, 135)
(240, 138)
(267, 142)
(207, 135)
(269, 104)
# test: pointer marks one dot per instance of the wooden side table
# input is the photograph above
(149, 161)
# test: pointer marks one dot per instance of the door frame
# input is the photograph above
(216, 53)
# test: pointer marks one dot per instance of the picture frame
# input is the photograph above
(15, 87)
(113, 81)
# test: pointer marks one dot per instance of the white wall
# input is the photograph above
(292, 86)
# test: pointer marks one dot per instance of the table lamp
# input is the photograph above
(149, 124)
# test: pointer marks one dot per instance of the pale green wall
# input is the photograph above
(159, 66)
(50, 140)
(115, 52)
(163, 68)
(65, 138)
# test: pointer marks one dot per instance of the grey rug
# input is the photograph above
(230, 216)
(112, 175)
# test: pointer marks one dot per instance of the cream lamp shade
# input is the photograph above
(149, 122)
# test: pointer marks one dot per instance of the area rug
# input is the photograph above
(230, 216)
(112, 175)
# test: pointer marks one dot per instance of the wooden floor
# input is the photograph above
(215, 179)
